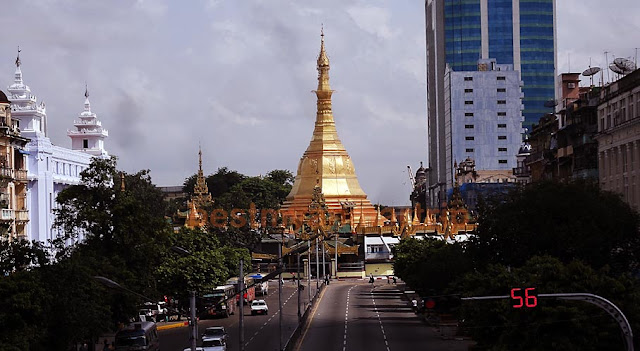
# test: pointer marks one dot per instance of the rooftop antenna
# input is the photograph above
(606, 62)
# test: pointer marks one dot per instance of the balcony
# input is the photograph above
(6, 215)
(6, 172)
(22, 216)
(20, 175)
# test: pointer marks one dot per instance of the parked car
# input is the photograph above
(214, 333)
(259, 307)
(216, 344)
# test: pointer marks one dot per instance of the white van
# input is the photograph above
(138, 336)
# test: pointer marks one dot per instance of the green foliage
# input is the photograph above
(567, 221)
(22, 310)
(429, 265)
(208, 265)
(553, 324)
(18, 255)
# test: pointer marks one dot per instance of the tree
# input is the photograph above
(124, 231)
(429, 265)
(566, 221)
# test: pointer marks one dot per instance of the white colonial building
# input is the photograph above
(51, 168)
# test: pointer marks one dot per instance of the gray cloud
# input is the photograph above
(237, 76)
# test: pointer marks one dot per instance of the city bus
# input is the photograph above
(261, 288)
(249, 294)
(218, 303)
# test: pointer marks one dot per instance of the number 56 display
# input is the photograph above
(524, 297)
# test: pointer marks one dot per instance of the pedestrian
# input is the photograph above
(394, 279)
(84, 347)
(106, 345)
(388, 280)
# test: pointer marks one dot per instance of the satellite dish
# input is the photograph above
(551, 103)
(627, 66)
(591, 71)
(616, 69)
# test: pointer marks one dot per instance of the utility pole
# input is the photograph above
(241, 296)
(280, 298)
(336, 254)
(297, 280)
(309, 269)
(324, 274)
(194, 322)
(317, 268)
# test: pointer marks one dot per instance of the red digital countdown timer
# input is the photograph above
(527, 297)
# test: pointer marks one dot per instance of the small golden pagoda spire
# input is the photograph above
(394, 220)
(361, 220)
(122, 181)
(201, 196)
(416, 218)
(377, 223)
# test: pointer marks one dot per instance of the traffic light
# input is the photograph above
(441, 303)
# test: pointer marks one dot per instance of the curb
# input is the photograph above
(173, 326)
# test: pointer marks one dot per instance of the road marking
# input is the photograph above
(375, 308)
(269, 320)
(305, 327)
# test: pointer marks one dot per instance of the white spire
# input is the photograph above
(18, 74)
(87, 104)
(89, 135)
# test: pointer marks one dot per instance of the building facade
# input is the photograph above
(483, 111)
(458, 32)
(619, 138)
(14, 214)
(51, 168)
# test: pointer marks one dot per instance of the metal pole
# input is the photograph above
(324, 274)
(298, 287)
(309, 270)
(241, 296)
(280, 298)
(317, 268)
(336, 252)
(194, 322)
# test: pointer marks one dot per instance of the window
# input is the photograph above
(468, 126)
(468, 79)
(502, 125)
(502, 114)
(469, 138)
(502, 149)
(502, 90)
(502, 137)
(502, 161)
(85, 143)
(501, 78)
(468, 114)
(468, 102)
(571, 85)
(469, 150)
(502, 102)
(468, 90)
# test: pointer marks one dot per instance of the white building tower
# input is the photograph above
(50, 168)
(89, 136)
(32, 116)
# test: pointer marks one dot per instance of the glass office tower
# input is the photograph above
(459, 32)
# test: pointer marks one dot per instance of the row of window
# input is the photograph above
(470, 114)
(500, 149)
(499, 90)
(471, 126)
(500, 102)
(500, 137)
(469, 79)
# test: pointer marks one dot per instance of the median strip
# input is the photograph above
(173, 325)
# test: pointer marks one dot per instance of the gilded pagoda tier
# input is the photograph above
(326, 162)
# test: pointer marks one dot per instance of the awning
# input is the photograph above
(24, 152)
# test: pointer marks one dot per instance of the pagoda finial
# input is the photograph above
(87, 104)
(18, 58)
(323, 60)
(86, 90)
(199, 157)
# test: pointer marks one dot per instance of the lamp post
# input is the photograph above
(317, 267)
(280, 297)
(241, 297)
(192, 303)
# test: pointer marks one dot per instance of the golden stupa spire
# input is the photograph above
(326, 163)
(201, 196)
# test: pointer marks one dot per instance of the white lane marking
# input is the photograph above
(375, 308)
(269, 320)
(346, 319)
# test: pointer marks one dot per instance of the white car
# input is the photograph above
(216, 344)
(259, 307)
(215, 333)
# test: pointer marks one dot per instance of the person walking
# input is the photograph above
(105, 347)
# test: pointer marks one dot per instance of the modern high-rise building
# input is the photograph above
(458, 33)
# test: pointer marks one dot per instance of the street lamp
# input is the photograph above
(194, 322)
(113, 285)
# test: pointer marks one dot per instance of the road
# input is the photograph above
(261, 332)
(353, 316)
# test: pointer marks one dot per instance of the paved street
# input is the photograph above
(352, 316)
(261, 332)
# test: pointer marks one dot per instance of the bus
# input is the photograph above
(262, 288)
(218, 303)
(249, 294)
(138, 336)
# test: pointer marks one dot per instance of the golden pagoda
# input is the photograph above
(196, 216)
(201, 196)
(327, 164)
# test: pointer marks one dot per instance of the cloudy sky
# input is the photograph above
(236, 76)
